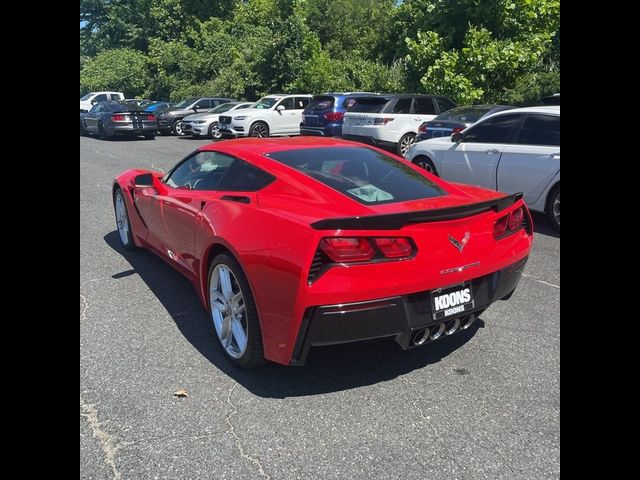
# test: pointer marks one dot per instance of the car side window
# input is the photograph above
(403, 105)
(497, 129)
(202, 171)
(424, 106)
(301, 102)
(288, 103)
(100, 98)
(244, 177)
(115, 97)
(203, 104)
(444, 104)
(96, 108)
(349, 102)
(540, 130)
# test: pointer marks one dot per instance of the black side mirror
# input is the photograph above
(144, 180)
(456, 137)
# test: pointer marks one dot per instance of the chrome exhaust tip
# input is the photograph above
(420, 336)
(436, 331)
(468, 321)
(451, 326)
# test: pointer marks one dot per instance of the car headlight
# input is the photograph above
(241, 117)
(199, 122)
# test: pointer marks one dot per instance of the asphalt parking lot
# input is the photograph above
(483, 403)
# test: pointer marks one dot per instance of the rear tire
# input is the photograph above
(425, 163)
(553, 207)
(405, 142)
(102, 133)
(150, 136)
(176, 128)
(233, 313)
(83, 129)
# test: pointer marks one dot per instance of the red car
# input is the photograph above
(308, 241)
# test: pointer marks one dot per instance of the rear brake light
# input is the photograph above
(119, 118)
(343, 249)
(457, 129)
(422, 128)
(382, 121)
(151, 117)
(334, 116)
(510, 223)
(394, 247)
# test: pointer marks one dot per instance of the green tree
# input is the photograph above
(121, 69)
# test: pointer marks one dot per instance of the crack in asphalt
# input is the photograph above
(535, 279)
(232, 430)
(85, 306)
(107, 442)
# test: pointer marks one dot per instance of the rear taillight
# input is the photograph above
(341, 249)
(151, 117)
(119, 118)
(394, 247)
(334, 250)
(510, 223)
(334, 116)
(422, 128)
(456, 130)
(382, 121)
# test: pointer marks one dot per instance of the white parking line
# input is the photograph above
(541, 281)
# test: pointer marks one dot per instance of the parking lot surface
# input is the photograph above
(483, 403)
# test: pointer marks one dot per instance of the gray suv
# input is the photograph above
(169, 120)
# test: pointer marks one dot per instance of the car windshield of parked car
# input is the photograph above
(86, 97)
(369, 105)
(223, 108)
(465, 114)
(266, 102)
(366, 175)
(321, 102)
(186, 102)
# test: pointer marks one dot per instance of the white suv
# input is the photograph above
(270, 116)
(392, 120)
(87, 101)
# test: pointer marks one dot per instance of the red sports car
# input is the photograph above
(300, 242)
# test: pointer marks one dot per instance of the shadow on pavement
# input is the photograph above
(328, 369)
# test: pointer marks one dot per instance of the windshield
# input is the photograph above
(369, 105)
(86, 97)
(465, 114)
(266, 102)
(368, 176)
(223, 108)
(186, 102)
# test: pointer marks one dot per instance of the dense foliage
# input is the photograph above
(474, 51)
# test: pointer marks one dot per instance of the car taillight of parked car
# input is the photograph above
(382, 121)
(334, 116)
(422, 128)
(456, 130)
(363, 249)
(120, 118)
(151, 117)
(509, 223)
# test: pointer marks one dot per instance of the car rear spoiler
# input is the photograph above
(395, 221)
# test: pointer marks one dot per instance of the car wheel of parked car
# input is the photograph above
(233, 312)
(259, 129)
(214, 130)
(405, 142)
(102, 132)
(426, 163)
(176, 128)
(150, 136)
(122, 220)
(83, 129)
(553, 207)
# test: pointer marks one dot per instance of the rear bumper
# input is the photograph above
(150, 127)
(401, 317)
(370, 140)
(330, 130)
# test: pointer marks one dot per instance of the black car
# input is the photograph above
(169, 119)
(456, 120)
(107, 119)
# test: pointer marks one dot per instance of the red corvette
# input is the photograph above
(300, 242)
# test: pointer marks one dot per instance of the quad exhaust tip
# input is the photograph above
(451, 326)
(468, 321)
(421, 336)
(436, 331)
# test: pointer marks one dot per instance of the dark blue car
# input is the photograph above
(456, 120)
(325, 113)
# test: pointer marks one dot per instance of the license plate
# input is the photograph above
(451, 301)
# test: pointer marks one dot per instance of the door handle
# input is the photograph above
(236, 198)
(492, 151)
(555, 156)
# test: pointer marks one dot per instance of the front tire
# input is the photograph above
(553, 207)
(405, 142)
(176, 128)
(214, 131)
(233, 313)
(123, 225)
(426, 163)
(259, 129)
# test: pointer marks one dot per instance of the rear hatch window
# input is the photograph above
(321, 102)
(369, 105)
(366, 175)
